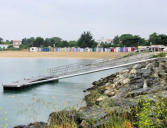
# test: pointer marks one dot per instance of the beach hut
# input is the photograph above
(112, 49)
(125, 49)
(97, 49)
(101, 49)
(81, 49)
(63, 50)
(129, 49)
(43, 49)
(52, 49)
(34, 49)
(94, 50)
(117, 49)
(72, 49)
(78, 50)
(39, 49)
(75, 49)
(120, 49)
(58, 49)
(49, 49)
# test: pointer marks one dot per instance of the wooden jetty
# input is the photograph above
(68, 71)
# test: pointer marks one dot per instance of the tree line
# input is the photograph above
(86, 40)
(129, 40)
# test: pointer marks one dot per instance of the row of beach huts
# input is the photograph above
(73, 49)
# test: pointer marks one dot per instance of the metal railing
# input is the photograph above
(94, 65)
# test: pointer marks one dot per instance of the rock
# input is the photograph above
(108, 84)
(149, 66)
(145, 84)
(21, 126)
(137, 66)
(34, 125)
(109, 93)
(142, 80)
(156, 64)
(133, 71)
(93, 113)
(126, 81)
(101, 98)
(155, 74)
(108, 88)
(146, 73)
(84, 124)
(124, 71)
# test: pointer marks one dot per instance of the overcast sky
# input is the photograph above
(69, 18)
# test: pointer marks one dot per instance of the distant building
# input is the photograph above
(4, 46)
(157, 47)
(152, 48)
(105, 41)
(17, 43)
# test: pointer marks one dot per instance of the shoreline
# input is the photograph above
(60, 55)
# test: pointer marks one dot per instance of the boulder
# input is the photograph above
(34, 125)
(137, 66)
(109, 92)
(101, 98)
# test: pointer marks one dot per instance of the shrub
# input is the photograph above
(162, 54)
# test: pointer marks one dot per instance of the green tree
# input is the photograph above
(116, 40)
(7, 42)
(131, 40)
(28, 42)
(73, 43)
(1, 39)
(62, 44)
(154, 38)
(39, 41)
(163, 39)
(52, 41)
(86, 40)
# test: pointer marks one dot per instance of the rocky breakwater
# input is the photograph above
(118, 92)
(128, 86)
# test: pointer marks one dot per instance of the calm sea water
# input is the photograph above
(36, 103)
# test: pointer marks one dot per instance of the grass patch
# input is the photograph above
(162, 54)
(147, 114)
(130, 54)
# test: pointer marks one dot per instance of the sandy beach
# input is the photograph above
(68, 55)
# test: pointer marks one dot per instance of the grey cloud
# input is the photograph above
(69, 18)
